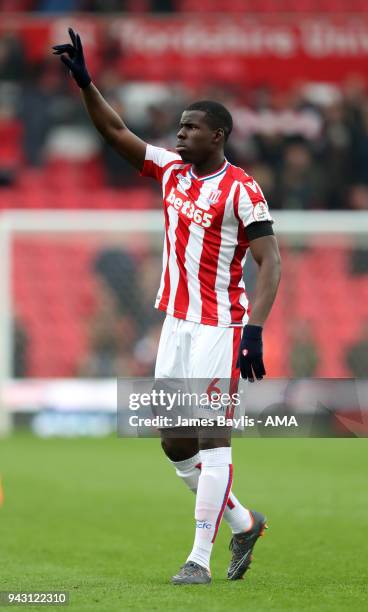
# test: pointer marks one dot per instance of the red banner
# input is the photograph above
(250, 50)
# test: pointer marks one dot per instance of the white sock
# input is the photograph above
(189, 471)
(237, 517)
(213, 490)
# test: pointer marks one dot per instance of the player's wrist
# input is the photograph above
(253, 331)
(83, 79)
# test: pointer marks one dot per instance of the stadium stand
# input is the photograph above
(55, 293)
(186, 6)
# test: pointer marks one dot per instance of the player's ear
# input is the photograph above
(219, 135)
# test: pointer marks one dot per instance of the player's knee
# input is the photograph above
(167, 447)
(208, 443)
(177, 449)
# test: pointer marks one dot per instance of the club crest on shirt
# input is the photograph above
(214, 196)
(208, 197)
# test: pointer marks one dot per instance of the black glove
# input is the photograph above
(251, 353)
(75, 61)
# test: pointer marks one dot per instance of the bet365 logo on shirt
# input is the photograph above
(189, 209)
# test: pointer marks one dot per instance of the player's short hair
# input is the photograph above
(217, 116)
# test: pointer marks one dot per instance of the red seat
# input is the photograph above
(11, 153)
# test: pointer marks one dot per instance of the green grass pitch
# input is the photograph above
(108, 521)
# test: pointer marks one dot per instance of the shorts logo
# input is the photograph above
(260, 212)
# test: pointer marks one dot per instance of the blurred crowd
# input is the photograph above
(308, 146)
(236, 6)
(124, 329)
(95, 6)
(119, 330)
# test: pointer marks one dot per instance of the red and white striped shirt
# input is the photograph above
(205, 243)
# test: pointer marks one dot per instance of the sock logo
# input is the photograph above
(203, 525)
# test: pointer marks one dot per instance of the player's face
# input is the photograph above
(195, 139)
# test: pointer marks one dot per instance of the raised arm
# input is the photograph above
(113, 128)
(105, 119)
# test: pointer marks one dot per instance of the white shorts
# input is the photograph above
(198, 361)
(193, 350)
